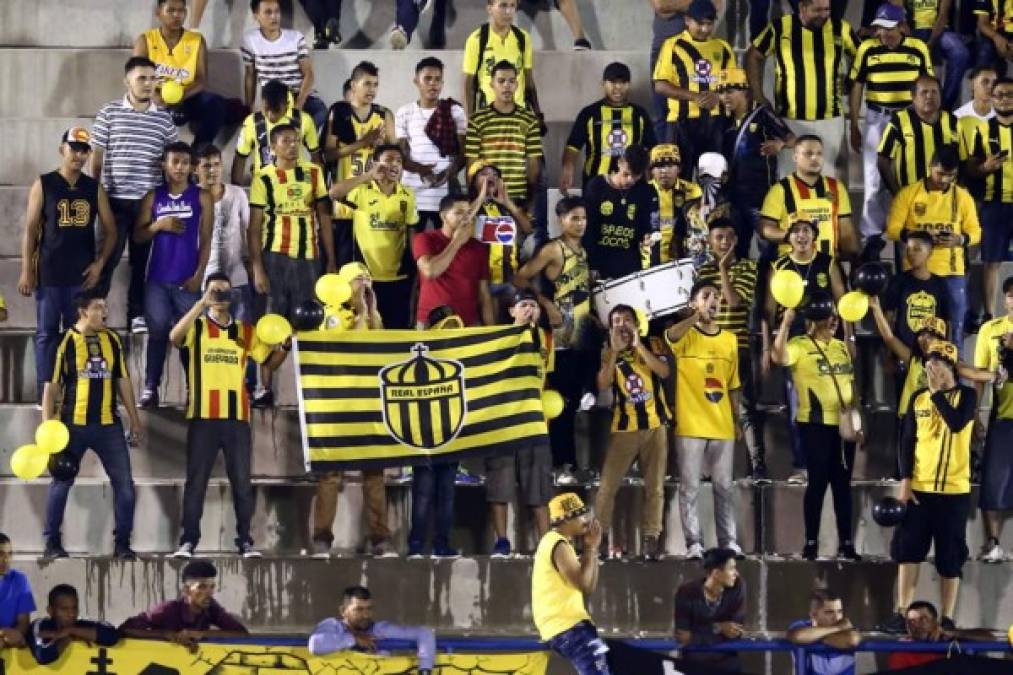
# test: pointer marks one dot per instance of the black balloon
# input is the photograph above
(63, 466)
(871, 278)
(819, 306)
(308, 315)
(889, 511)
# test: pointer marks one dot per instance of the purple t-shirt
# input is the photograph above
(175, 615)
(173, 257)
(15, 598)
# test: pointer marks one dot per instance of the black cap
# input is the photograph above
(521, 294)
(702, 10)
(616, 72)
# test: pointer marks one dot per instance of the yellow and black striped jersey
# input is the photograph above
(503, 260)
(215, 358)
(967, 130)
(671, 219)
(348, 127)
(910, 142)
(87, 367)
(935, 449)
(693, 65)
(823, 203)
(988, 356)
(638, 394)
(889, 73)
(993, 137)
(807, 65)
(603, 132)
(288, 198)
(999, 13)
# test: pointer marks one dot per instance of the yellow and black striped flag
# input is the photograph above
(369, 399)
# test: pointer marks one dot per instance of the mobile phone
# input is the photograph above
(221, 296)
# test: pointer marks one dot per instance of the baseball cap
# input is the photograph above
(665, 153)
(520, 295)
(888, 16)
(478, 165)
(77, 137)
(732, 78)
(702, 10)
(941, 349)
(566, 507)
(712, 164)
(797, 222)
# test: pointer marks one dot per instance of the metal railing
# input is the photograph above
(452, 645)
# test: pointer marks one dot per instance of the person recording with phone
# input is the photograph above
(215, 348)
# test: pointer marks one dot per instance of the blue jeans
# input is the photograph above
(988, 56)
(956, 287)
(109, 443)
(55, 311)
(164, 304)
(432, 489)
(205, 113)
(957, 58)
(581, 646)
(317, 109)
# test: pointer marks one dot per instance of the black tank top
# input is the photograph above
(68, 229)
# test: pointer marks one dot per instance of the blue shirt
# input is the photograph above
(15, 598)
(825, 664)
(332, 635)
(47, 651)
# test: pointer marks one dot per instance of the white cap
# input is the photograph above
(712, 164)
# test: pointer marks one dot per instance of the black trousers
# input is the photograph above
(125, 212)
(830, 463)
(204, 438)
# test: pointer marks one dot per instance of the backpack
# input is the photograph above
(483, 41)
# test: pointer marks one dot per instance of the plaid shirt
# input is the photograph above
(442, 130)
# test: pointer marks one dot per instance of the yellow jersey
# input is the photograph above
(556, 605)
(999, 13)
(692, 65)
(988, 355)
(178, 63)
(936, 211)
(813, 373)
(923, 13)
(348, 127)
(910, 142)
(968, 127)
(87, 367)
(638, 394)
(571, 291)
(288, 198)
(992, 138)
(503, 260)
(215, 358)
(381, 227)
(671, 218)
(915, 379)
(707, 371)
(484, 48)
(888, 73)
(255, 134)
(935, 456)
(823, 203)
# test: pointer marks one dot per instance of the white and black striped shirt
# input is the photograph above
(277, 59)
(133, 141)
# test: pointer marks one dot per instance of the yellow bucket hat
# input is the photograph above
(566, 506)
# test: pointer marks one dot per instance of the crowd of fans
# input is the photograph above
(436, 213)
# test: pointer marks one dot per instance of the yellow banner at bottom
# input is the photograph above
(143, 657)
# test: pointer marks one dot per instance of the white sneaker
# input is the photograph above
(185, 550)
(321, 550)
(994, 555)
(587, 401)
(566, 476)
(798, 477)
(735, 548)
(694, 552)
(398, 38)
(138, 325)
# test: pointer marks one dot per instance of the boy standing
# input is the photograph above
(271, 52)
(488, 45)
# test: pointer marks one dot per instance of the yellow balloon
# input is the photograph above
(787, 288)
(332, 290)
(172, 92)
(272, 329)
(29, 461)
(552, 403)
(853, 306)
(52, 436)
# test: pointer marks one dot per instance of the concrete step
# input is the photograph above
(769, 518)
(80, 81)
(484, 596)
(364, 24)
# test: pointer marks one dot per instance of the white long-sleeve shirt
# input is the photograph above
(332, 635)
(228, 241)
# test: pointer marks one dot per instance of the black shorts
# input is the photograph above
(939, 519)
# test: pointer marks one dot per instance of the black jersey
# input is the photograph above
(67, 243)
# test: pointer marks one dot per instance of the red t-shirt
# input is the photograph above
(458, 285)
(899, 660)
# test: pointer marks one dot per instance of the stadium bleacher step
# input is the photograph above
(364, 23)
